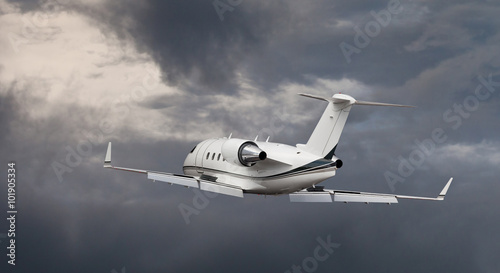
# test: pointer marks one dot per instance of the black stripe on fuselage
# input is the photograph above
(312, 166)
(315, 165)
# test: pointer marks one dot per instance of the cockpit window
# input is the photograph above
(193, 149)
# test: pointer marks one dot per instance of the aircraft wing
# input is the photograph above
(318, 194)
(180, 179)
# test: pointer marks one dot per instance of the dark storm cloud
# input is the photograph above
(97, 220)
(269, 42)
(189, 41)
(286, 40)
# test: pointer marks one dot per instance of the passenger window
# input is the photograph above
(213, 156)
(218, 157)
(208, 154)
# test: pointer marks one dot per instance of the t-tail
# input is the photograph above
(326, 135)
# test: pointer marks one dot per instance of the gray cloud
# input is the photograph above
(96, 220)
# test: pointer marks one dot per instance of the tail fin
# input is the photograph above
(326, 135)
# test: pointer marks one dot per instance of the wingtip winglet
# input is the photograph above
(107, 159)
(445, 189)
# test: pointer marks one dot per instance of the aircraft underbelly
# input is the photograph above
(278, 184)
(282, 185)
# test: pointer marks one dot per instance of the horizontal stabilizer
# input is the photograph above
(326, 134)
(338, 99)
(358, 102)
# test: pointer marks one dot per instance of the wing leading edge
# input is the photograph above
(325, 195)
(179, 179)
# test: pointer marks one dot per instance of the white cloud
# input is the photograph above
(485, 153)
(62, 60)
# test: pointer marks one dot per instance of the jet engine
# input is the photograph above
(242, 152)
(338, 162)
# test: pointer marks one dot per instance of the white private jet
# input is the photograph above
(233, 166)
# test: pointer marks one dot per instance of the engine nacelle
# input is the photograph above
(338, 162)
(242, 152)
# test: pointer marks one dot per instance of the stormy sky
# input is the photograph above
(157, 77)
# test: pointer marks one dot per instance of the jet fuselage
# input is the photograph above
(285, 169)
